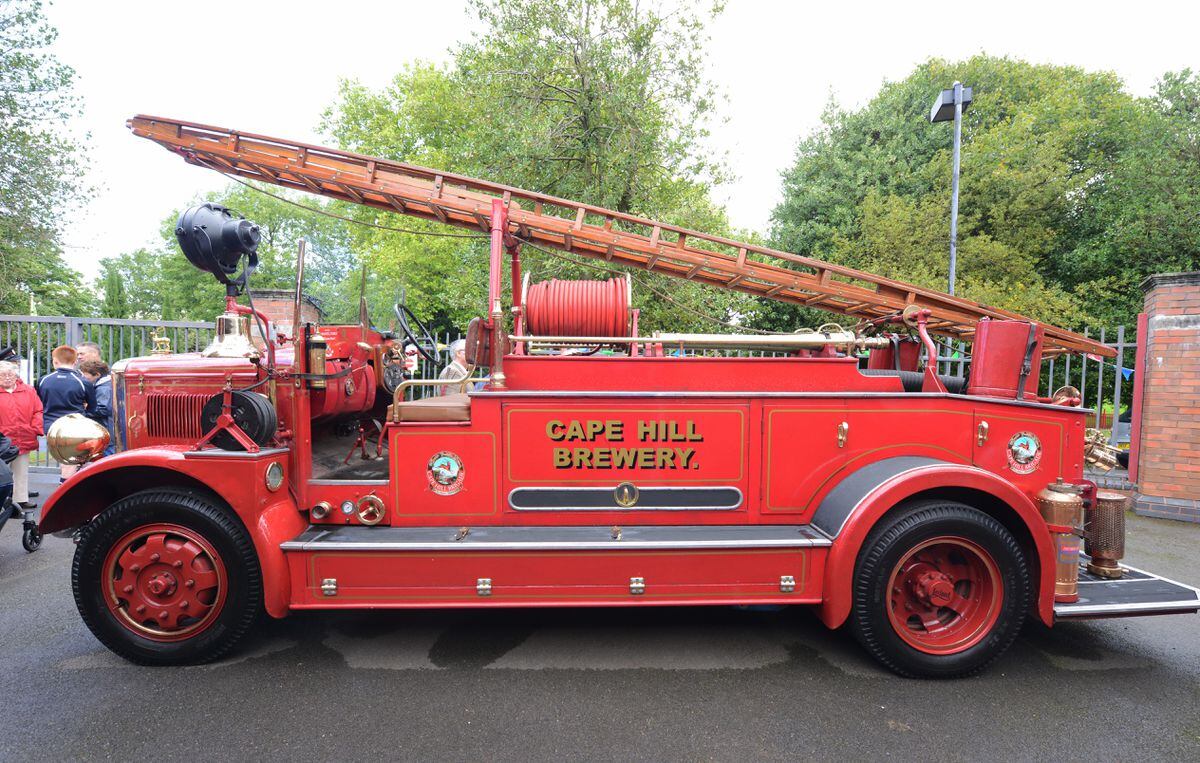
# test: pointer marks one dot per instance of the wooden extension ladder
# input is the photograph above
(578, 228)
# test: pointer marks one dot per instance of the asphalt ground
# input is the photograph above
(636, 684)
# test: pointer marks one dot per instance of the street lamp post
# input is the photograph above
(951, 104)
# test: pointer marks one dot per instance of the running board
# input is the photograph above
(607, 538)
(1136, 593)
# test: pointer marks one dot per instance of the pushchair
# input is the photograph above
(31, 537)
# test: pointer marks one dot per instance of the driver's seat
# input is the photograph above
(455, 407)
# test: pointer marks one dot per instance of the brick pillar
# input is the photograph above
(279, 306)
(1168, 483)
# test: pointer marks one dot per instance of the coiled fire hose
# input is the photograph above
(578, 308)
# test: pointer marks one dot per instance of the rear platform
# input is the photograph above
(1137, 593)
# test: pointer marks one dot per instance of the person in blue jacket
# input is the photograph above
(63, 391)
(96, 371)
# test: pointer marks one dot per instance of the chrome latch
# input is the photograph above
(843, 430)
(787, 583)
(329, 586)
(637, 586)
(483, 586)
(982, 432)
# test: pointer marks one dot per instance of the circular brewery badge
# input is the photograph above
(445, 473)
(1024, 452)
(626, 495)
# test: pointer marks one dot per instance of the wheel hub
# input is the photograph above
(166, 582)
(162, 585)
(932, 588)
(944, 595)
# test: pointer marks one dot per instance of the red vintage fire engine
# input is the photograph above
(591, 465)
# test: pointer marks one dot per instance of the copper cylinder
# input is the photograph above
(1104, 540)
(1061, 505)
(317, 348)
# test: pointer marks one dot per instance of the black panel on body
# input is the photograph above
(836, 507)
(605, 499)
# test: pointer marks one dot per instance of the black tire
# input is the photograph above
(229, 617)
(892, 542)
(31, 539)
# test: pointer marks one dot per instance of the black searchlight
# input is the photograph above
(214, 239)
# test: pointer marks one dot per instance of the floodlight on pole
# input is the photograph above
(951, 104)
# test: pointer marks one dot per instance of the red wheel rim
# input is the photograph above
(164, 582)
(945, 595)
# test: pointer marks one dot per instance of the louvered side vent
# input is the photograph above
(174, 416)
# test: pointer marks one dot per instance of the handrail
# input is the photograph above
(766, 342)
(463, 383)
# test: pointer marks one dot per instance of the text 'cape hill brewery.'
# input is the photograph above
(585, 462)
(612, 432)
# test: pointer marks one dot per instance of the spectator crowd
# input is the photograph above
(79, 383)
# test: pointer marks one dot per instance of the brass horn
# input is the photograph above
(1097, 451)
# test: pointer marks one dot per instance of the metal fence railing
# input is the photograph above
(1106, 385)
(34, 337)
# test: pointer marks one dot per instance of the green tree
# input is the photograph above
(1049, 166)
(116, 300)
(1143, 216)
(39, 166)
(137, 277)
(602, 102)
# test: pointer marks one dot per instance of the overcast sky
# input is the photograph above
(272, 67)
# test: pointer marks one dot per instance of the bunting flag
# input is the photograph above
(1125, 372)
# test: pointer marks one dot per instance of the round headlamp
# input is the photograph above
(76, 439)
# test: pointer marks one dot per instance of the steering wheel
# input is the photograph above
(422, 339)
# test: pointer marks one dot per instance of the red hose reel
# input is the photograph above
(579, 308)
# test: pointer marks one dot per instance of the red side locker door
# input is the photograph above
(800, 452)
(1025, 445)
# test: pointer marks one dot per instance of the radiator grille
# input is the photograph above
(174, 415)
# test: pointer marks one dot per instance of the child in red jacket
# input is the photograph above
(21, 422)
